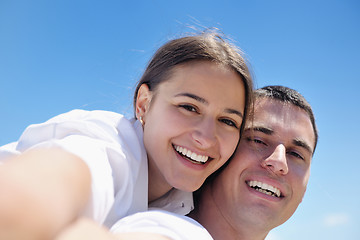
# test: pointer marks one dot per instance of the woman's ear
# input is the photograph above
(143, 99)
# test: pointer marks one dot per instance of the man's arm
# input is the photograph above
(41, 192)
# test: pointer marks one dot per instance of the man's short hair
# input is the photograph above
(288, 95)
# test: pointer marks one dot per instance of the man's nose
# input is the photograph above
(276, 161)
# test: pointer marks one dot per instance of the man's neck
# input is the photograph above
(210, 215)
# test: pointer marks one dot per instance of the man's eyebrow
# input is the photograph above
(264, 130)
(268, 131)
(202, 100)
(303, 144)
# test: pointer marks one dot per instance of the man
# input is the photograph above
(263, 183)
(266, 180)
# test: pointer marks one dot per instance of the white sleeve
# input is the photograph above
(173, 226)
(7, 151)
(95, 138)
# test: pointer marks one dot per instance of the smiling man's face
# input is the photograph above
(266, 180)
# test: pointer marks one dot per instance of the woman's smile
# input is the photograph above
(196, 114)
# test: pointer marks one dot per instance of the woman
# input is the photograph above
(191, 103)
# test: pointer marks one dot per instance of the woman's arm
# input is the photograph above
(87, 229)
(41, 192)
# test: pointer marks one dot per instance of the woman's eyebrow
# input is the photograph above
(202, 100)
(193, 96)
(233, 111)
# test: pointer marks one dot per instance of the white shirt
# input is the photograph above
(112, 146)
(173, 226)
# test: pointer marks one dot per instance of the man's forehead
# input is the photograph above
(269, 111)
(278, 118)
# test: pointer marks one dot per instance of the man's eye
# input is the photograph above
(295, 154)
(189, 108)
(229, 122)
(256, 141)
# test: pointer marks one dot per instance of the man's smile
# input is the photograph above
(265, 188)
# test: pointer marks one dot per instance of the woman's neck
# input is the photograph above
(158, 186)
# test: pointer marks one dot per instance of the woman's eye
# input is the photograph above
(229, 123)
(189, 108)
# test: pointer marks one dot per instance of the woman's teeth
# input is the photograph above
(199, 159)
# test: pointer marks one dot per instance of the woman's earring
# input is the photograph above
(141, 120)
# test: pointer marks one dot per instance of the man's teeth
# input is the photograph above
(192, 156)
(265, 188)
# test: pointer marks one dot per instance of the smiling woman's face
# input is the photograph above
(192, 123)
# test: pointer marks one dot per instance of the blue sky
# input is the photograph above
(59, 55)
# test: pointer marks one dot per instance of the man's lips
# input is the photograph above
(265, 188)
